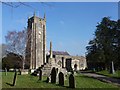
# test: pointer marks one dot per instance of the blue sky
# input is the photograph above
(70, 26)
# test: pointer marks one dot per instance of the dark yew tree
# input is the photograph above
(11, 61)
(117, 65)
(105, 47)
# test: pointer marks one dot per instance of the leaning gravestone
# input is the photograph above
(71, 81)
(61, 79)
(53, 75)
(40, 74)
(14, 79)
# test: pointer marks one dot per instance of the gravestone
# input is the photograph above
(61, 79)
(14, 79)
(56, 70)
(24, 71)
(47, 81)
(40, 74)
(5, 71)
(71, 81)
(112, 70)
(20, 71)
(53, 75)
(57, 74)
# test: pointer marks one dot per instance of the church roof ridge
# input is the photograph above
(60, 53)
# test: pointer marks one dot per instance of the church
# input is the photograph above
(37, 55)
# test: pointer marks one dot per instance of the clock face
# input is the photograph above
(38, 26)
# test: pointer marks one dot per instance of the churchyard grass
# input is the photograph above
(87, 82)
(25, 81)
(106, 73)
(28, 81)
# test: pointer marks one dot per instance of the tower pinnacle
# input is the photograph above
(51, 56)
(44, 15)
(34, 14)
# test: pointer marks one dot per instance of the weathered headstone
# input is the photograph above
(112, 70)
(61, 79)
(53, 75)
(71, 81)
(57, 74)
(40, 74)
(14, 79)
(94, 70)
(20, 71)
(56, 70)
(5, 71)
(47, 81)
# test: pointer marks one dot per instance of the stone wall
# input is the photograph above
(79, 60)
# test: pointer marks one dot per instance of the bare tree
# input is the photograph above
(16, 43)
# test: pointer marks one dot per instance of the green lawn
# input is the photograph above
(28, 81)
(105, 72)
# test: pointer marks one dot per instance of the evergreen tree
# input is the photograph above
(105, 47)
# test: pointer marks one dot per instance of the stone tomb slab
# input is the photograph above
(24, 71)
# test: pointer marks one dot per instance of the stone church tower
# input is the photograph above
(36, 42)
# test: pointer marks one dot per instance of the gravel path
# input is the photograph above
(103, 78)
